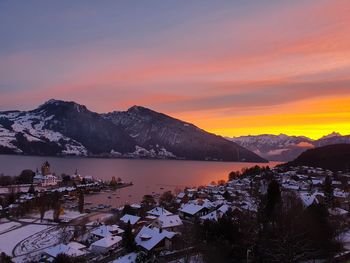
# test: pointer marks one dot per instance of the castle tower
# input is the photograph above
(45, 168)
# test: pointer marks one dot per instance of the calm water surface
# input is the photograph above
(148, 176)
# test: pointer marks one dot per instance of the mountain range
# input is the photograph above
(286, 148)
(62, 128)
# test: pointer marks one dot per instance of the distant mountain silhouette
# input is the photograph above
(284, 147)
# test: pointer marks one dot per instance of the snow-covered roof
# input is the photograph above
(191, 209)
(339, 193)
(213, 216)
(308, 199)
(224, 208)
(317, 181)
(63, 249)
(168, 221)
(129, 258)
(337, 211)
(154, 237)
(181, 195)
(76, 245)
(130, 218)
(159, 211)
(104, 231)
(107, 242)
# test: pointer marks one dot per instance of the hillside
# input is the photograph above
(333, 157)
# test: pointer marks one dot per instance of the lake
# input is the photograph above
(147, 176)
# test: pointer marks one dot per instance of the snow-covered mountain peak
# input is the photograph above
(331, 135)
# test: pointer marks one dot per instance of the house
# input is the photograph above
(76, 177)
(308, 199)
(338, 212)
(190, 211)
(45, 178)
(154, 239)
(72, 249)
(159, 211)
(170, 223)
(130, 218)
(105, 244)
(215, 215)
(105, 231)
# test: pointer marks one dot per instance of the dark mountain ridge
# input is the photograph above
(334, 157)
(67, 128)
(151, 129)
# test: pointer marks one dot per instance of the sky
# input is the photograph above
(231, 67)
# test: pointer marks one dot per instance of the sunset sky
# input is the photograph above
(230, 67)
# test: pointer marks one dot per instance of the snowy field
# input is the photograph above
(9, 240)
(4, 227)
(43, 239)
(24, 242)
(66, 217)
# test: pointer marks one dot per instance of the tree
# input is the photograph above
(234, 175)
(273, 198)
(56, 206)
(128, 210)
(31, 189)
(4, 258)
(142, 257)
(42, 210)
(299, 234)
(81, 201)
(148, 202)
(26, 177)
(166, 199)
(63, 258)
(221, 182)
(128, 239)
(328, 191)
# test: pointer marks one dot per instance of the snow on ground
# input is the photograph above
(66, 217)
(4, 227)
(129, 258)
(345, 239)
(32, 126)
(9, 240)
(43, 239)
(28, 220)
(192, 259)
(3, 220)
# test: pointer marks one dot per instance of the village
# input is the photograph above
(47, 222)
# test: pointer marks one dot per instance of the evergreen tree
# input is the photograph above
(81, 201)
(328, 191)
(273, 198)
(128, 238)
(56, 206)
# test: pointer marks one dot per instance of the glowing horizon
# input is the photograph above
(231, 68)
